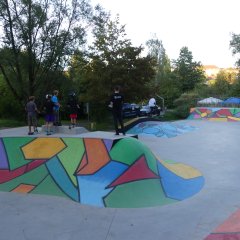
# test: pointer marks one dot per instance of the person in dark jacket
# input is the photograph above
(49, 109)
(116, 102)
(73, 108)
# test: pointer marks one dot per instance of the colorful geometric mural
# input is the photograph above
(215, 114)
(230, 229)
(101, 172)
(160, 129)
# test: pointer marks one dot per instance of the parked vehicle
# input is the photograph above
(130, 110)
(146, 111)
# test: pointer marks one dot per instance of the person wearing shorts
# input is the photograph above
(73, 108)
(49, 117)
(32, 110)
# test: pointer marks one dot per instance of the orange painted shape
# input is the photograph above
(97, 156)
(23, 188)
(82, 164)
(232, 224)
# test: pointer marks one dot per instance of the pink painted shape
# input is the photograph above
(224, 236)
(232, 224)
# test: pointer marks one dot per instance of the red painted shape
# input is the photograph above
(224, 112)
(223, 236)
(83, 164)
(138, 171)
(203, 110)
(7, 175)
(34, 164)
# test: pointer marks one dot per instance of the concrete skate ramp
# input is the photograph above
(161, 129)
(119, 173)
(215, 114)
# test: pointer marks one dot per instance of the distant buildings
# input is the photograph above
(211, 71)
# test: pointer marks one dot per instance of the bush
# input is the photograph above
(184, 103)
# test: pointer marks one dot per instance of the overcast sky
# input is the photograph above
(204, 26)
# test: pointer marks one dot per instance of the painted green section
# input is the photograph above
(13, 148)
(144, 193)
(134, 149)
(71, 156)
(49, 187)
(33, 177)
(234, 110)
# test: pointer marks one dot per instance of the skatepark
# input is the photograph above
(163, 180)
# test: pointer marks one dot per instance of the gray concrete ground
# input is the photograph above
(213, 149)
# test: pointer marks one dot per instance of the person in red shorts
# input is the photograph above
(73, 108)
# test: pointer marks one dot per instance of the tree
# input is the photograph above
(163, 66)
(189, 72)
(39, 36)
(112, 60)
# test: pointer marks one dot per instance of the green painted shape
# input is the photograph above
(197, 111)
(128, 150)
(144, 193)
(33, 177)
(234, 110)
(49, 187)
(13, 147)
(71, 156)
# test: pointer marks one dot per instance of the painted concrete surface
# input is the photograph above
(215, 114)
(213, 149)
(120, 173)
(161, 129)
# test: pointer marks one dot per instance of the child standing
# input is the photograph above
(74, 107)
(49, 118)
(31, 109)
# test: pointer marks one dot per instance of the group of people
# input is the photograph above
(51, 110)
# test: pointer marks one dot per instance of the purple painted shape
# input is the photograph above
(3, 157)
(108, 143)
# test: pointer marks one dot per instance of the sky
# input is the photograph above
(204, 26)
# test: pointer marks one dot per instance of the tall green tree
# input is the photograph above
(112, 60)
(39, 36)
(189, 72)
(163, 65)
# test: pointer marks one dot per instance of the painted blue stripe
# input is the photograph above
(60, 176)
(93, 187)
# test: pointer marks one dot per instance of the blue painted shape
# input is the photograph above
(61, 178)
(3, 156)
(108, 144)
(165, 130)
(93, 188)
(177, 187)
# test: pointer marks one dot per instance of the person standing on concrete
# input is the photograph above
(31, 109)
(56, 108)
(49, 118)
(116, 102)
(73, 109)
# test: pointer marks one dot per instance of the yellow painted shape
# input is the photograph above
(43, 148)
(204, 114)
(234, 118)
(182, 170)
(218, 119)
